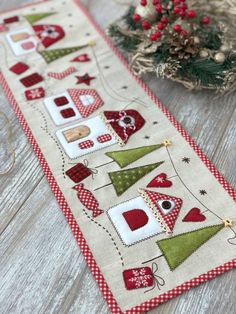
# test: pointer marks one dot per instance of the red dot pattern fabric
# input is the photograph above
(88, 109)
(86, 144)
(125, 123)
(104, 138)
(164, 297)
(170, 218)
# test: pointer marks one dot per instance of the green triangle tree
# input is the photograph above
(124, 179)
(54, 54)
(178, 248)
(33, 18)
(126, 157)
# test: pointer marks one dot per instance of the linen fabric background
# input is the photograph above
(109, 84)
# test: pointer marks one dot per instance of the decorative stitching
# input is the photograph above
(36, 93)
(160, 181)
(122, 124)
(54, 54)
(63, 74)
(121, 236)
(31, 80)
(86, 100)
(80, 171)
(88, 199)
(126, 157)
(194, 215)
(112, 239)
(48, 34)
(166, 215)
(122, 180)
(84, 79)
(176, 252)
(136, 278)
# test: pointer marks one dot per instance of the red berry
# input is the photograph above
(164, 20)
(191, 14)
(176, 1)
(136, 17)
(205, 20)
(184, 33)
(176, 10)
(161, 26)
(143, 3)
(184, 6)
(155, 2)
(182, 13)
(177, 28)
(155, 35)
(146, 25)
(159, 8)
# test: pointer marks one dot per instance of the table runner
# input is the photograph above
(151, 214)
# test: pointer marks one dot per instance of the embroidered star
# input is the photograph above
(86, 79)
(186, 160)
(203, 192)
(166, 142)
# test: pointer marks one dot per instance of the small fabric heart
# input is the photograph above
(194, 215)
(160, 181)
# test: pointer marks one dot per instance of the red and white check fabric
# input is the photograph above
(104, 138)
(111, 301)
(169, 219)
(88, 200)
(85, 109)
(86, 144)
(63, 74)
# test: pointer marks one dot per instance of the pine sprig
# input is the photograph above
(125, 42)
(205, 72)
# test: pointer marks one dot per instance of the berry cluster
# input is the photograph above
(168, 14)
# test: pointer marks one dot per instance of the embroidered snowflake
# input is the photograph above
(35, 93)
(140, 279)
(49, 31)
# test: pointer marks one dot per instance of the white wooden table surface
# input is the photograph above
(41, 267)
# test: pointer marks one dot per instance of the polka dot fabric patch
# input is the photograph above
(136, 190)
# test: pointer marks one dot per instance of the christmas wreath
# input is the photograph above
(188, 42)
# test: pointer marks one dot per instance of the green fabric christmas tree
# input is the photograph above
(54, 54)
(178, 248)
(33, 18)
(126, 157)
(124, 179)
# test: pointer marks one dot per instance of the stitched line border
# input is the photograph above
(69, 216)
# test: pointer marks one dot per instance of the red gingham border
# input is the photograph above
(71, 220)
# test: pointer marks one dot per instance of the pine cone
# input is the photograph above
(183, 48)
